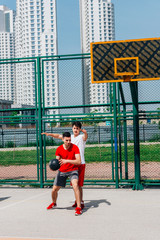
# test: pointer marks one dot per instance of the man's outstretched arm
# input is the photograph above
(54, 135)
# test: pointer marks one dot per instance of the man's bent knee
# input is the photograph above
(55, 188)
(74, 183)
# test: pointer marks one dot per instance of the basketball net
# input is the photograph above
(127, 78)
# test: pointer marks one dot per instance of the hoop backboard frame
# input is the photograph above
(144, 52)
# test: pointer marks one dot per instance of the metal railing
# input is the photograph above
(117, 142)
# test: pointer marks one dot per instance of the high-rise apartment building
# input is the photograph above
(7, 50)
(97, 25)
(36, 35)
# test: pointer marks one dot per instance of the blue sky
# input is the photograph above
(134, 19)
(137, 19)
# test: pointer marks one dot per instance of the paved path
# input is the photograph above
(113, 214)
(87, 146)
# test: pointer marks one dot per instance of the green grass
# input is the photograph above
(103, 154)
(8, 158)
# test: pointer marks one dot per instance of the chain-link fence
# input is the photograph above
(60, 92)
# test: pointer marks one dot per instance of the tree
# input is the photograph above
(14, 118)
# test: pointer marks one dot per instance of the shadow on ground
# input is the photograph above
(88, 204)
(4, 198)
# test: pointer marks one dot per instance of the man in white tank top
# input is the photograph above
(79, 140)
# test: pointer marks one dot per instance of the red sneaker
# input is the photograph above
(74, 205)
(82, 204)
(52, 205)
(78, 211)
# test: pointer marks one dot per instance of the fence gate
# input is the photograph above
(19, 127)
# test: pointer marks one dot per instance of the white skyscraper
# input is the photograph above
(36, 35)
(7, 50)
(97, 25)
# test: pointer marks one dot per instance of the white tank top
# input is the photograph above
(80, 144)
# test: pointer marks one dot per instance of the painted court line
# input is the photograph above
(25, 200)
(6, 238)
(19, 238)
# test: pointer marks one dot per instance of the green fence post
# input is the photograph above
(115, 135)
(40, 121)
(112, 150)
(2, 139)
(27, 136)
(134, 94)
(111, 96)
(119, 132)
(125, 143)
(125, 131)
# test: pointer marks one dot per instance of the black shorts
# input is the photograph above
(61, 177)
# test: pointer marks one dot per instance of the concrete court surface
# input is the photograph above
(113, 214)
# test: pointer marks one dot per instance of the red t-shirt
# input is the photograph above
(68, 154)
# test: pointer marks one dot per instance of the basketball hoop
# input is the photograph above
(127, 78)
(125, 75)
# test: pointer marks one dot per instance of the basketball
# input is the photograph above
(54, 164)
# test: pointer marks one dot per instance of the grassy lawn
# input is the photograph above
(95, 154)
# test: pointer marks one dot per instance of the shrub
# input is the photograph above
(155, 138)
(10, 144)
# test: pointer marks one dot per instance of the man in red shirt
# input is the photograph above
(68, 155)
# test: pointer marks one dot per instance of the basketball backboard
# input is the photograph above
(127, 60)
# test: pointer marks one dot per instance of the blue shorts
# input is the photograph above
(61, 178)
